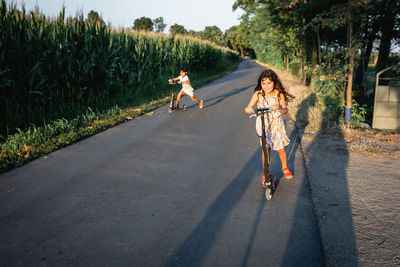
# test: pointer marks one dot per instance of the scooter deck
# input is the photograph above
(176, 109)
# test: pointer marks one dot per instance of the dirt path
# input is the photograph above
(355, 185)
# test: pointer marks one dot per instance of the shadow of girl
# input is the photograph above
(326, 163)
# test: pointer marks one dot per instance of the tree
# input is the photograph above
(332, 39)
(213, 34)
(369, 27)
(231, 38)
(143, 24)
(236, 37)
(93, 17)
(177, 29)
(159, 24)
(194, 34)
(392, 8)
(278, 33)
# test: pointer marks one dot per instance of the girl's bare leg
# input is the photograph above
(285, 169)
(195, 99)
(282, 156)
(178, 98)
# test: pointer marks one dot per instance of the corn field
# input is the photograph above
(60, 67)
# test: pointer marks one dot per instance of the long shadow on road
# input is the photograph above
(254, 231)
(327, 179)
(197, 245)
(303, 245)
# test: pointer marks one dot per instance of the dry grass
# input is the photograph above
(385, 143)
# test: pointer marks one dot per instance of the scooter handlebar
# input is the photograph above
(259, 111)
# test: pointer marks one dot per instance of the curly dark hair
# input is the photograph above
(271, 75)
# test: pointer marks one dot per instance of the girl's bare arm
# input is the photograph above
(283, 107)
(174, 79)
(253, 101)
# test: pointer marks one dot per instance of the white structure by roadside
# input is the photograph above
(387, 102)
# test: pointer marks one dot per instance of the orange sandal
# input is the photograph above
(287, 173)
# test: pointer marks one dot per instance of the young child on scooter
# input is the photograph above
(270, 93)
(187, 89)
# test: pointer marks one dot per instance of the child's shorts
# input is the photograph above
(188, 90)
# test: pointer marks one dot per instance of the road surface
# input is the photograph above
(180, 189)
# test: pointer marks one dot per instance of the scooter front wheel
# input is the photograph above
(268, 193)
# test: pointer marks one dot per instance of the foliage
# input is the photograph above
(213, 34)
(159, 24)
(194, 34)
(237, 38)
(177, 29)
(312, 38)
(143, 24)
(329, 77)
(358, 114)
(93, 17)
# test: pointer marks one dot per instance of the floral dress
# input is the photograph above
(275, 131)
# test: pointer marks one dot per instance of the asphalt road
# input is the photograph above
(180, 189)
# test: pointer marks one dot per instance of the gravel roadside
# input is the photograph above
(356, 197)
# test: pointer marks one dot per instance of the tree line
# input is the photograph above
(327, 43)
(233, 38)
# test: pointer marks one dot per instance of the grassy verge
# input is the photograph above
(25, 146)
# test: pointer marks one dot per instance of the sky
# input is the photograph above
(192, 14)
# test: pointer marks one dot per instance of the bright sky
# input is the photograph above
(192, 14)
